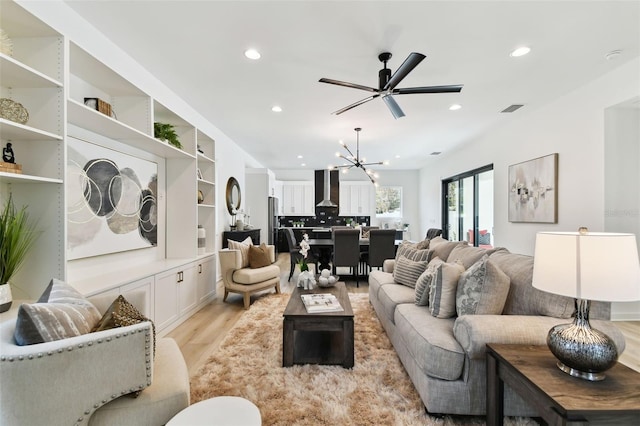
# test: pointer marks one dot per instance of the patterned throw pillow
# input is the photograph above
(122, 313)
(482, 289)
(424, 281)
(243, 246)
(259, 256)
(407, 272)
(422, 245)
(60, 312)
(442, 290)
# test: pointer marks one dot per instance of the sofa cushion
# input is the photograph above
(254, 276)
(407, 271)
(424, 281)
(60, 312)
(430, 341)
(259, 256)
(443, 248)
(523, 298)
(377, 279)
(442, 290)
(467, 255)
(482, 289)
(243, 246)
(392, 295)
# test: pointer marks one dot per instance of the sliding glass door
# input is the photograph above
(468, 207)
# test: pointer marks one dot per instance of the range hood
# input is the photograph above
(326, 192)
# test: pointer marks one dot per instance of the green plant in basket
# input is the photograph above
(166, 131)
(17, 236)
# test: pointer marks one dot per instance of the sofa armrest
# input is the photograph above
(388, 265)
(473, 332)
(95, 368)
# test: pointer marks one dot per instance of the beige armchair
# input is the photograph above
(84, 380)
(245, 280)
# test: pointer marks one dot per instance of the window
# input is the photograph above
(468, 207)
(389, 202)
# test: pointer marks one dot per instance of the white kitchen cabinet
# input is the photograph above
(356, 198)
(298, 198)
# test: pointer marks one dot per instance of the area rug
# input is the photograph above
(377, 391)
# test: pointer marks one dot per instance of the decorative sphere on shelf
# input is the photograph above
(323, 280)
(325, 273)
(331, 280)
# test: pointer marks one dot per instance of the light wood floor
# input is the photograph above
(201, 334)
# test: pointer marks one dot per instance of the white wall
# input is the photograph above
(572, 126)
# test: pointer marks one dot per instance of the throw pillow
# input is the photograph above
(365, 234)
(424, 244)
(482, 289)
(243, 246)
(442, 290)
(60, 312)
(443, 248)
(424, 281)
(467, 255)
(407, 271)
(259, 256)
(404, 246)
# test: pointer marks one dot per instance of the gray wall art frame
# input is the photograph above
(111, 201)
(533, 190)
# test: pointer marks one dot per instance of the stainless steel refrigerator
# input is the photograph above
(273, 221)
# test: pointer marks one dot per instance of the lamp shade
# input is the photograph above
(593, 265)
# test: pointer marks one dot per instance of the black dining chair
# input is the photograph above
(346, 250)
(294, 252)
(381, 247)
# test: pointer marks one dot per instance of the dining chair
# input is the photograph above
(381, 247)
(346, 250)
(294, 252)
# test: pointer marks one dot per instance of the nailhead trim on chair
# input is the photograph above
(97, 405)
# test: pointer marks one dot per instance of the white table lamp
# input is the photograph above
(586, 266)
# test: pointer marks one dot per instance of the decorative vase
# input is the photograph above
(5, 297)
(239, 225)
(202, 240)
(306, 280)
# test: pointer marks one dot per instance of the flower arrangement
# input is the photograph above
(304, 249)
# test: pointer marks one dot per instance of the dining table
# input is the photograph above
(323, 247)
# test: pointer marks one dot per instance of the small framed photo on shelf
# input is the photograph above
(199, 173)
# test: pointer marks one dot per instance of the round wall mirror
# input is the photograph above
(233, 195)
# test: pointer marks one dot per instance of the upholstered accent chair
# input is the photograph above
(346, 250)
(87, 379)
(381, 247)
(245, 280)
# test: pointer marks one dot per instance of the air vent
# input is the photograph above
(436, 153)
(512, 108)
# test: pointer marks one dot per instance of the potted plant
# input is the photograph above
(17, 236)
(165, 131)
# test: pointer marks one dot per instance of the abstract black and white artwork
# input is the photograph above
(111, 201)
(533, 190)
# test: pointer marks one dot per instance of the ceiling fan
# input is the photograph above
(387, 84)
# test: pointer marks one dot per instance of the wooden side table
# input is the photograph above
(559, 398)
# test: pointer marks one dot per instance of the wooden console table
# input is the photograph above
(559, 398)
(240, 236)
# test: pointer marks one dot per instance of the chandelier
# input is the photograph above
(356, 160)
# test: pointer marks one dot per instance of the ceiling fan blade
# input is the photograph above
(407, 66)
(453, 88)
(393, 106)
(345, 84)
(353, 105)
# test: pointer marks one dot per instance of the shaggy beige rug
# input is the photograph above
(377, 391)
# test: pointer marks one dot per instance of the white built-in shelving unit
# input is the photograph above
(50, 75)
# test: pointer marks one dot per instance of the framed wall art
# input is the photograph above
(111, 201)
(533, 190)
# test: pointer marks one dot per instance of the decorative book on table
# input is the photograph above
(317, 303)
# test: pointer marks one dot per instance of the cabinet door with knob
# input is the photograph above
(206, 278)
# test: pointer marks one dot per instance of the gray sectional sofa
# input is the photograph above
(445, 357)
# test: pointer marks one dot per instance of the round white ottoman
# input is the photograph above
(221, 410)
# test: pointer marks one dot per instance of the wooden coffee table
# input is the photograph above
(559, 398)
(322, 338)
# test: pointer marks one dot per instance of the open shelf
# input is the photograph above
(16, 131)
(22, 178)
(16, 74)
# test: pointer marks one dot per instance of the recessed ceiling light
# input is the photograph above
(252, 54)
(299, 156)
(303, 164)
(397, 155)
(276, 108)
(520, 51)
(455, 107)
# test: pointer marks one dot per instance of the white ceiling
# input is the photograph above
(196, 48)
